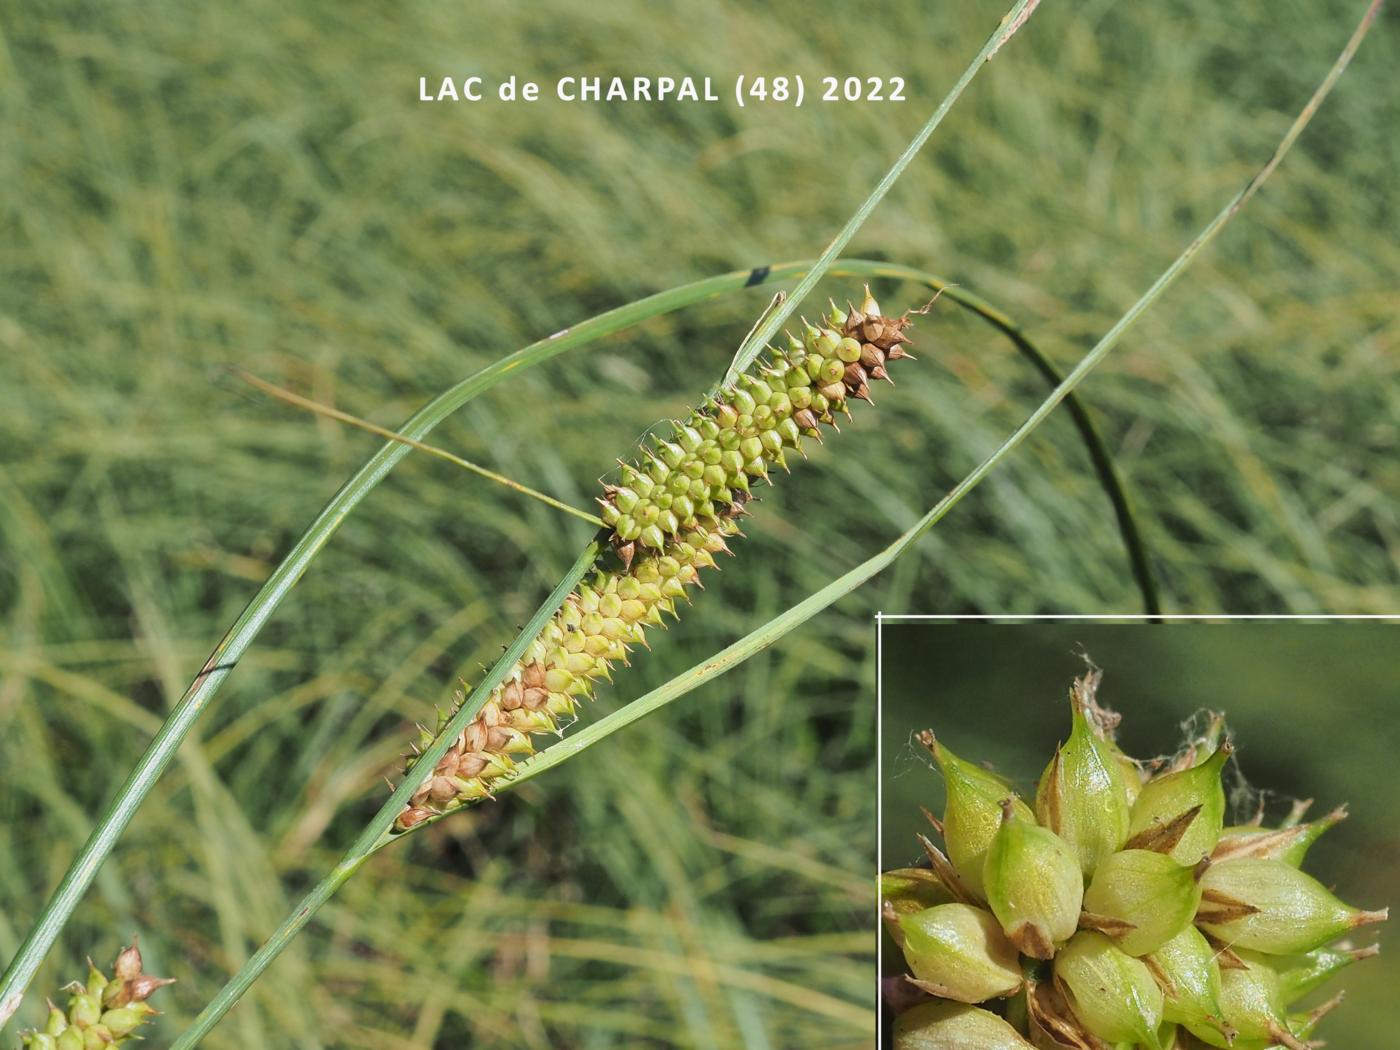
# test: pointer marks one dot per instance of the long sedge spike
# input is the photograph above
(678, 499)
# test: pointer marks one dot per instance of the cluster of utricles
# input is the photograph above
(710, 459)
(670, 514)
(597, 626)
(1120, 913)
(101, 1013)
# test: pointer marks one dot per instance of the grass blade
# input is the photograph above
(1139, 561)
(758, 339)
(377, 830)
(330, 412)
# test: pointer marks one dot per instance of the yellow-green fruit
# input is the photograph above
(972, 814)
(960, 953)
(952, 1026)
(907, 890)
(1112, 994)
(87, 1025)
(1081, 796)
(1033, 884)
(598, 625)
(1165, 799)
(1251, 1005)
(1189, 975)
(1300, 974)
(690, 478)
(56, 1023)
(126, 1019)
(1130, 775)
(97, 980)
(84, 1010)
(1288, 844)
(1153, 895)
(1271, 906)
(1170, 1037)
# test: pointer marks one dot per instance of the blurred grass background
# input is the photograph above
(1310, 706)
(188, 187)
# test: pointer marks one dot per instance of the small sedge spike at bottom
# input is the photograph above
(671, 512)
(102, 1012)
(1188, 934)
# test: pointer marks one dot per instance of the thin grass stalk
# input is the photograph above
(764, 332)
(331, 412)
(284, 577)
(378, 827)
(1139, 560)
(760, 639)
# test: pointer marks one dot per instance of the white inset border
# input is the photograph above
(882, 617)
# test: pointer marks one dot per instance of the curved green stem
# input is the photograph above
(1099, 456)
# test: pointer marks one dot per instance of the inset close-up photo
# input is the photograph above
(1136, 836)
